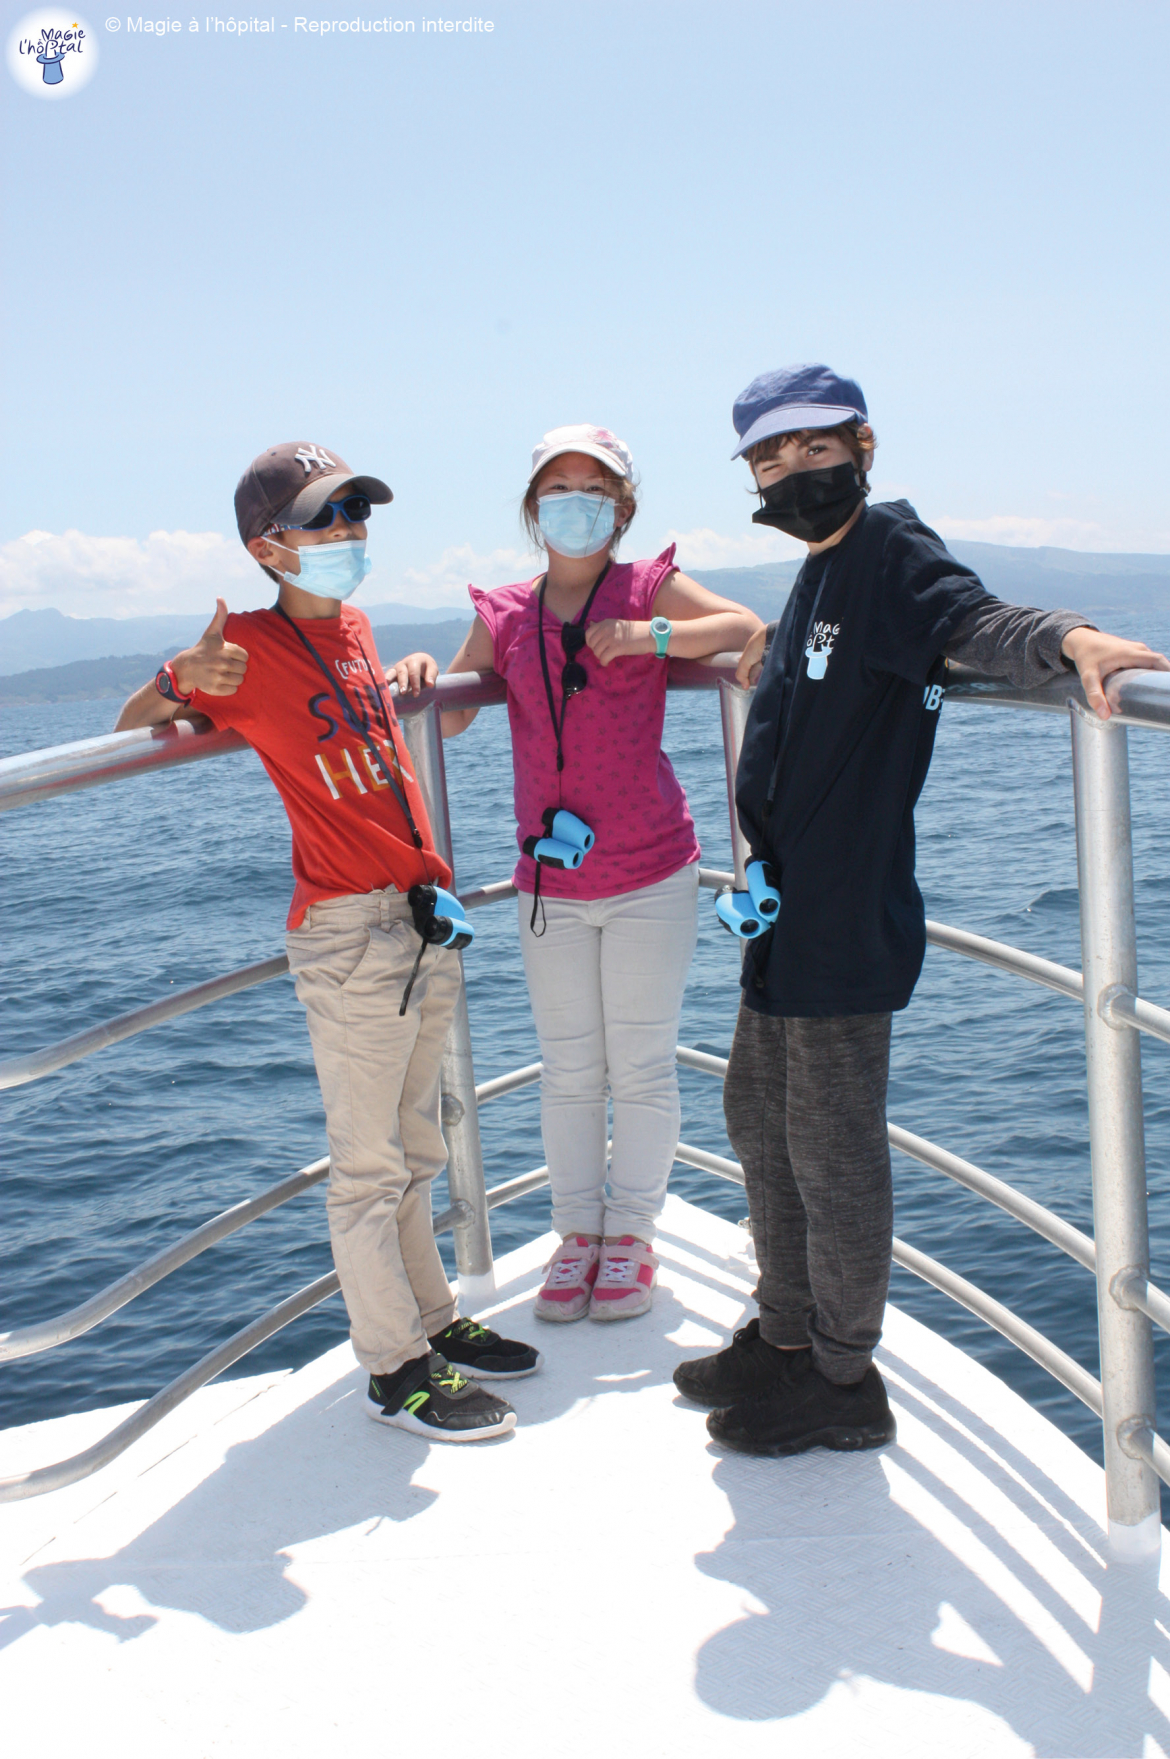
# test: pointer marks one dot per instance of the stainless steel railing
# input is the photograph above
(1135, 1457)
(113, 757)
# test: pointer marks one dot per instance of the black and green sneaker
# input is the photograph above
(429, 1397)
(484, 1354)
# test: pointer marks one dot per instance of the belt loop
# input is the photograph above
(384, 912)
(307, 919)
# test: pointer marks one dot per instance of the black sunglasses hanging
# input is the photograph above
(574, 677)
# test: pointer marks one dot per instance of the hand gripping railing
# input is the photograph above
(1127, 1300)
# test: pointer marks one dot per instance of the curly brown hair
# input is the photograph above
(617, 487)
(857, 435)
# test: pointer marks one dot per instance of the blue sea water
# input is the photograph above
(115, 895)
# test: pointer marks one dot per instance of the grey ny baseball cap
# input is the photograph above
(288, 484)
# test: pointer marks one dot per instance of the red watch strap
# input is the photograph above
(174, 694)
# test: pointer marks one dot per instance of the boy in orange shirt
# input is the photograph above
(303, 684)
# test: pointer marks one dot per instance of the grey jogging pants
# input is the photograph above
(805, 1102)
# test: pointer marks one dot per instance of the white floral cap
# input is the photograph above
(594, 442)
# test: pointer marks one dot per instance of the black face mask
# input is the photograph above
(811, 504)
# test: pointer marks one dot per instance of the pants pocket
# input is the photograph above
(334, 959)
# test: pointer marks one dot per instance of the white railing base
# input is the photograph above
(1139, 1544)
(475, 1292)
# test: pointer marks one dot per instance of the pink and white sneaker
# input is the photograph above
(572, 1272)
(625, 1281)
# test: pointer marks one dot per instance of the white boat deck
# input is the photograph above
(269, 1573)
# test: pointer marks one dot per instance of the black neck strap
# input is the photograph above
(357, 724)
(782, 733)
(558, 726)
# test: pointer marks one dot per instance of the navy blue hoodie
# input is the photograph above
(836, 750)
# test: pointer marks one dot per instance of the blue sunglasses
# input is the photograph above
(354, 509)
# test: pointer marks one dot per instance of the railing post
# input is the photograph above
(1116, 1125)
(734, 704)
(460, 1116)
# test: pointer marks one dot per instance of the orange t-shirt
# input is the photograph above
(349, 832)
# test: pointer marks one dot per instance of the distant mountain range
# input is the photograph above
(117, 677)
(48, 657)
(1050, 579)
(49, 638)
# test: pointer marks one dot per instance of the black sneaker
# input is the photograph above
(429, 1397)
(747, 1367)
(808, 1412)
(484, 1354)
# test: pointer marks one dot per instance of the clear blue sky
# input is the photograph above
(426, 249)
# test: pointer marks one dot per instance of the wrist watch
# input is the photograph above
(167, 685)
(660, 629)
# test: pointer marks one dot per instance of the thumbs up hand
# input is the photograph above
(213, 665)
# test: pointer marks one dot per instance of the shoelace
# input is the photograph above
(617, 1271)
(566, 1271)
(471, 1332)
(449, 1379)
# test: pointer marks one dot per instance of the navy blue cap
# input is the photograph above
(792, 398)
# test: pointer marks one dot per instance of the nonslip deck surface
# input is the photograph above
(269, 1573)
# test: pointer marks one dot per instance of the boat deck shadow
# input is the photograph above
(948, 1594)
(218, 1551)
(955, 1571)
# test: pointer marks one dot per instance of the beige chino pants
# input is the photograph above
(379, 1076)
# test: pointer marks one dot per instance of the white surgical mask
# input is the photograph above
(577, 524)
(328, 571)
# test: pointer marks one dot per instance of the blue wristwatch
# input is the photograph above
(660, 629)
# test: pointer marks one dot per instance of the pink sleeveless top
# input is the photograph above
(616, 776)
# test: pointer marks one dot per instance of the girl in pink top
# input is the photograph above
(607, 944)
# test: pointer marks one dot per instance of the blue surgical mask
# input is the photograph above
(329, 571)
(576, 525)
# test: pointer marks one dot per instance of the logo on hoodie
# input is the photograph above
(820, 646)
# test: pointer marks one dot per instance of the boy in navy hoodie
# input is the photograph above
(835, 753)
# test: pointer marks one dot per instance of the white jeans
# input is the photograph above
(606, 981)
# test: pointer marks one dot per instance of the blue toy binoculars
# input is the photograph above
(440, 918)
(735, 912)
(750, 914)
(763, 890)
(566, 842)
